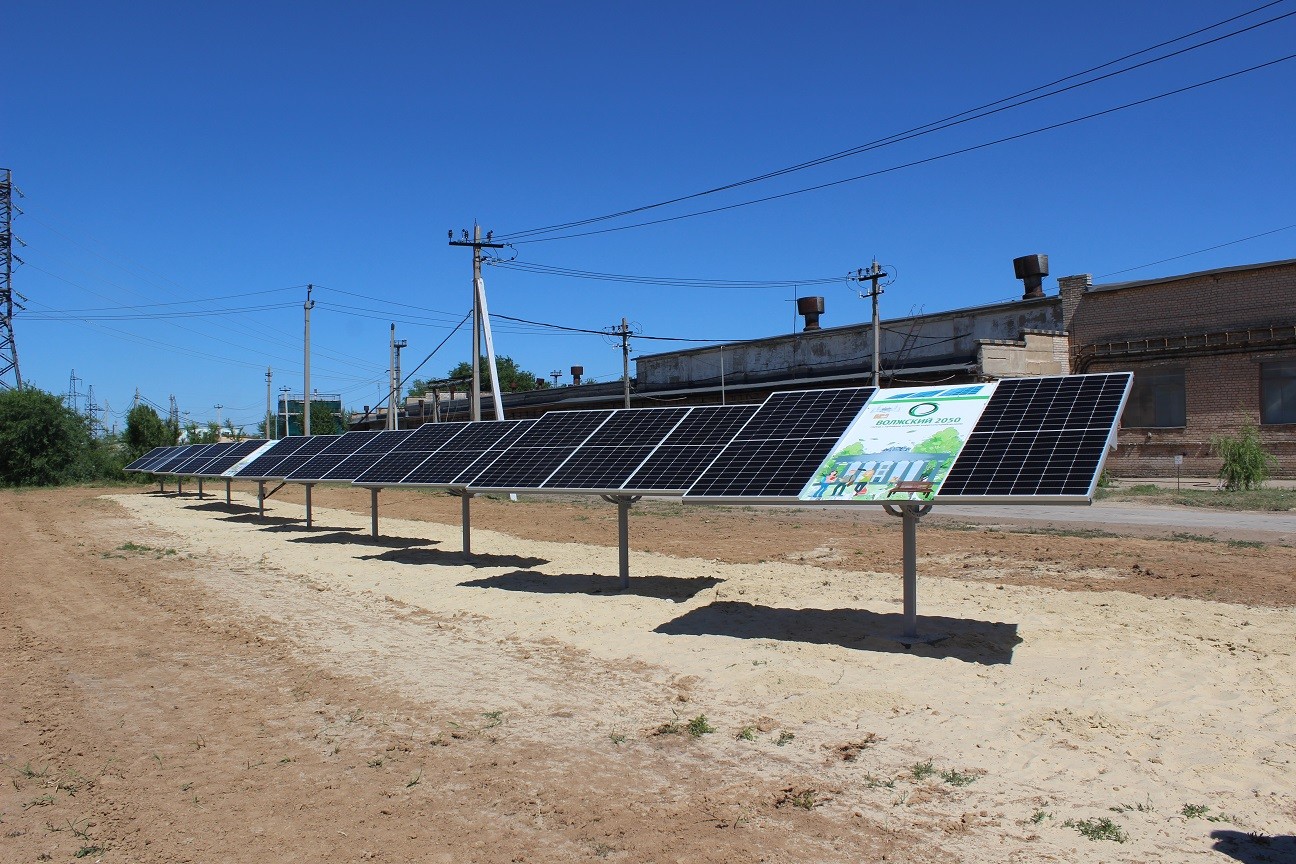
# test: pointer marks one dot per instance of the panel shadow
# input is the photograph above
(1255, 848)
(265, 521)
(354, 539)
(447, 558)
(222, 507)
(970, 640)
(656, 587)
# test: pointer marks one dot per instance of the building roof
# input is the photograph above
(1117, 286)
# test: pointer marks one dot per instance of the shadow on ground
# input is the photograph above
(265, 521)
(221, 507)
(1255, 848)
(969, 640)
(446, 558)
(657, 587)
(347, 536)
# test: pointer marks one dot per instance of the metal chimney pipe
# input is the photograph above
(1031, 269)
(811, 308)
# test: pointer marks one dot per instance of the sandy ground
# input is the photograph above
(188, 682)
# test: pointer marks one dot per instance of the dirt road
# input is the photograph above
(188, 683)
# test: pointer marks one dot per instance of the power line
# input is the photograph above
(938, 125)
(938, 157)
(1197, 251)
(673, 281)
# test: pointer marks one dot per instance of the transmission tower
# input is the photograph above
(73, 396)
(8, 347)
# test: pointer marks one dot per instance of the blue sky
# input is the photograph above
(177, 152)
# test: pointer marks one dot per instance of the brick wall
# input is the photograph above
(1222, 383)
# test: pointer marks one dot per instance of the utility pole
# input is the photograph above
(135, 404)
(310, 304)
(283, 399)
(393, 419)
(218, 410)
(477, 245)
(555, 374)
(625, 360)
(269, 416)
(873, 275)
(8, 345)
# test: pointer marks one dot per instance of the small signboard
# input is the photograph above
(901, 446)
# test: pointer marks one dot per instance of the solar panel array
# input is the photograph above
(1037, 438)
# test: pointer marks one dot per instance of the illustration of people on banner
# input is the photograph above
(902, 445)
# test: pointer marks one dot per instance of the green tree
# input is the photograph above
(512, 377)
(42, 441)
(144, 431)
(323, 420)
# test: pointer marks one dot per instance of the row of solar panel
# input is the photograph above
(1037, 437)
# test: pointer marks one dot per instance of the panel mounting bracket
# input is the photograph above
(909, 635)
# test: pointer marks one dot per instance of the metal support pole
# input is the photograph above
(179, 485)
(200, 492)
(466, 518)
(309, 486)
(623, 538)
(227, 493)
(474, 409)
(910, 522)
(261, 498)
(373, 512)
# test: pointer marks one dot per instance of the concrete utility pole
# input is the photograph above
(283, 400)
(625, 360)
(477, 244)
(393, 419)
(269, 415)
(873, 275)
(310, 304)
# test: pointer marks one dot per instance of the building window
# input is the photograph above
(1278, 392)
(1157, 399)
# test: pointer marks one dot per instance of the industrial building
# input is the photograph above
(1212, 352)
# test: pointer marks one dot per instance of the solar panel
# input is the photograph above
(408, 454)
(540, 450)
(363, 459)
(616, 450)
(280, 450)
(314, 445)
(231, 457)
(314, 468)
(781, 446)
(181, 453)
(201, 458)
(138, 463)
(1040, 437)
(481, 442)
(156, 457)
(689, 448)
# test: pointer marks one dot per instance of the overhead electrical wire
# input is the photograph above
(929, 159)
(1197, 251)
(966, 116)
(673, 281)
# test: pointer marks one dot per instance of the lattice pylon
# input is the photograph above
(10, 376)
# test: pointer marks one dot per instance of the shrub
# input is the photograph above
(41, 439)
(1246, 464)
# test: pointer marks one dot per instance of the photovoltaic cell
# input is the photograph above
(363, 459)
(690, 448)
(137, 464)
(200, 459)
(1040, 437)
(176, 458)
(279, 451)
(616, 450)
(314, 468)
(314, 445)
(782, 444)
(461, 452)
(231, 457)
(157, 457)
(410, 453)
(540, 450)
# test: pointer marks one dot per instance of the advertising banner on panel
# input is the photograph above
(901, 445)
